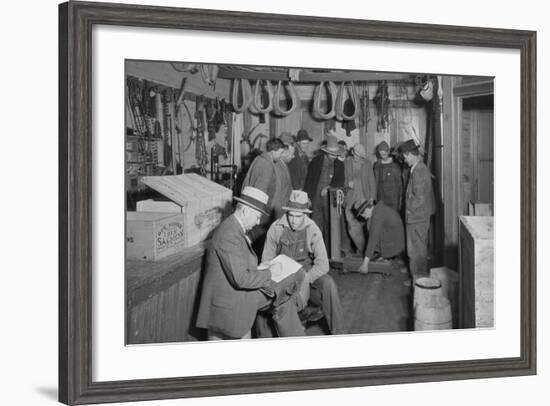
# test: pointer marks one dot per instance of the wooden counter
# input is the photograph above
(162, 297)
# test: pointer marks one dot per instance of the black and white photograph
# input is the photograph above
(275, 201)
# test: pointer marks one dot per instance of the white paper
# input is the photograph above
(282, 266)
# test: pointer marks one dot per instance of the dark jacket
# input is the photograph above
(386, 232)
(314, 173)
(389, 183)
(229, 300)
(419, 197)
(298, 170)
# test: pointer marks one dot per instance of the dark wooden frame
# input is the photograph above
(75, 179)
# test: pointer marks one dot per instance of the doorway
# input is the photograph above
(476, 152)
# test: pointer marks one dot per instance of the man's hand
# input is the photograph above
(324, 191)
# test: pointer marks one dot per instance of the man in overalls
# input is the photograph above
(298, 237)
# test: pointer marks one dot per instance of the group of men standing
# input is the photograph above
(282, 187)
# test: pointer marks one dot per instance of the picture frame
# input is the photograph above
(76, 20)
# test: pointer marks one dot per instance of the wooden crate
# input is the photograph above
(152, 236)
(159, 206)
(203, 203)
(476, 275)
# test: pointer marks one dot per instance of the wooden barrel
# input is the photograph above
(449, 283)
(425, 287)
(433, 313)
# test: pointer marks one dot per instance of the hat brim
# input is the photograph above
(251, 205)
(338, 152)
(286, 208)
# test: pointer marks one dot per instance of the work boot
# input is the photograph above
(311, 314)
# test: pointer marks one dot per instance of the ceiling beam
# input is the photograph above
(308, 76)
(251, 75)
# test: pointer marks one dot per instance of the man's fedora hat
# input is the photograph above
(332, 147)
(408, 146)
(303, 136)
(254, 198)
(298, 202)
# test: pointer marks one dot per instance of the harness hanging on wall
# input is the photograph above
(277, 110)
(331, 95)
(260, 98)
(382, 102)
(209, 73)
(350, 111)
(245, 92)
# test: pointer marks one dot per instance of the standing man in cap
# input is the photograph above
(300, 161)
(361, 187)
(419, 207)
(266, 174)
(233, 287)
(389, 181)
(298, 237)
(323, 172)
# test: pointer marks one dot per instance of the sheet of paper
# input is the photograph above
(283, 266)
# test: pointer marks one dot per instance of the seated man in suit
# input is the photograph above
(234, 289)
(298, 237)
(386, 233)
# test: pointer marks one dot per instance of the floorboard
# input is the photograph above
(372, 303)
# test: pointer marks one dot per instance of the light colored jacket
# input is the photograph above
(315, 246)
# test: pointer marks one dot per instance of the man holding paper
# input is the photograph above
(298, 237)
(234, 289)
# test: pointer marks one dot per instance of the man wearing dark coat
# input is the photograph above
(419, 207)
(386, 234)
(324, 171)
(234, 289)
(300, 161)
(271, 176)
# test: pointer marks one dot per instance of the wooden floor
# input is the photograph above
(372, 303)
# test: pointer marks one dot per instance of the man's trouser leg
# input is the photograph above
(284, 317)
(324, 293)
(286, 320)
(417, 249)
(356, 231)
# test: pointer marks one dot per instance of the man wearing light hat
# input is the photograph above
(234, 289)
(324, 171)
(298, 237)
(419, 207)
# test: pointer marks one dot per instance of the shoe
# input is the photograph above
(381, 260)
(311, 314)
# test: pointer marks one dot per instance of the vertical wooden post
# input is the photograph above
(335, 237)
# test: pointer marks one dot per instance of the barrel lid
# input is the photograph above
(427, 283)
